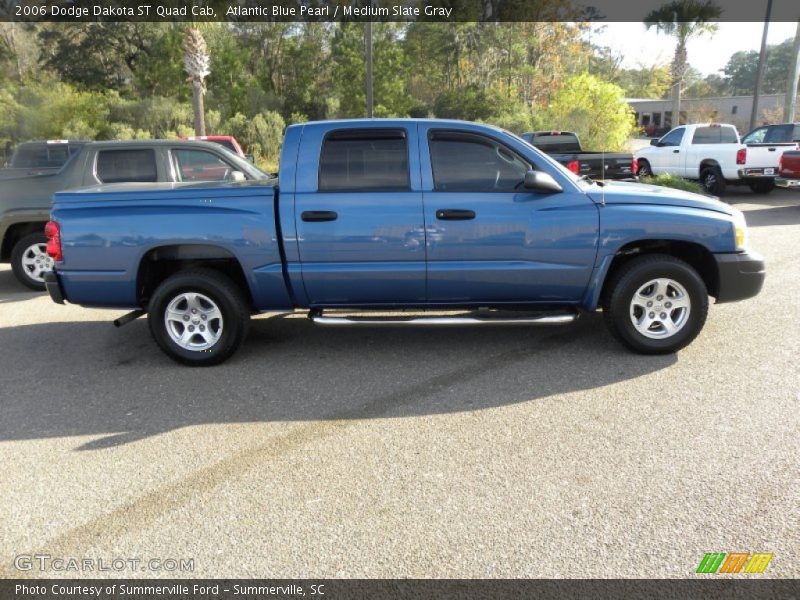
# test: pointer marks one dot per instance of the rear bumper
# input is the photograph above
(53, 286)
(758, 173)
(786, 182)
(741, 275)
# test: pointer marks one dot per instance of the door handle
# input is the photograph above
(313, 216)
(676, 151)
(771, 149)
(454, 214)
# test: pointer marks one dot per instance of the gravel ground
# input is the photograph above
(499, 452)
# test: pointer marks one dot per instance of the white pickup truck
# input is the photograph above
(713, 154)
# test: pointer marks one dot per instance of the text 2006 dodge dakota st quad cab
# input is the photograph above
(381, 215)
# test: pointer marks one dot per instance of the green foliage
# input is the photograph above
(110, 80)
(740, 72)
(673, 181)
(595, 110)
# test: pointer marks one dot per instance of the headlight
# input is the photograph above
(739, 230)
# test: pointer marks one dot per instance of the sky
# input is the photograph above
(707, 54)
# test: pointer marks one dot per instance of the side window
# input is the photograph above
(673, 138)
(779, 133)
(200, 165)
(465, 162)
(119, 166)
(756, 136)
(706, 135)
(358, 160)
(728, 135)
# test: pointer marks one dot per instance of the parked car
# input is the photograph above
(34, 158)
(226, 141)
(518, 239)
(771, 142)
(25, 200)
(712, 154)
(565, 147)
(789, 170)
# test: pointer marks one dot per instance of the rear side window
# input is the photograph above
(714, 135)
(779, 133)
(364, 160)
(120, 166)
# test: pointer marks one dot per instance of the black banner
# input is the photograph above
(375, 10)
(339, 589)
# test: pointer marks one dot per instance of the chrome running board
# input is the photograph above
(542, 319)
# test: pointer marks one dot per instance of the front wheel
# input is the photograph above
(30, 262)
(764, 186)
(712, 181)
(198, 317)
(644, 169)
(655, 304)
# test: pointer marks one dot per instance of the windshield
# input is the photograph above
(553, 163)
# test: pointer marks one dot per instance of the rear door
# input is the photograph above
(360, 229)
(489, 239)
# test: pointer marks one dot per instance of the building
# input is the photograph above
(655, 115)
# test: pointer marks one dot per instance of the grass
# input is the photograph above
(673, 181)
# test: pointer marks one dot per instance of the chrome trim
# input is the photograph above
(436, 321)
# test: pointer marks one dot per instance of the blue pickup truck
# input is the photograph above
(401, 222)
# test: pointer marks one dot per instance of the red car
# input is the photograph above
(228, 141)
(789, 170)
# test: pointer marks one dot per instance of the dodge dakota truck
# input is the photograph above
(25, 199)
(460, 223)
(713, 154)
(565, 147)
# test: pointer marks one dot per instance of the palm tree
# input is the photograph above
(196, 64)
(683, 19)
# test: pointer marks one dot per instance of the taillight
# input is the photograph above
(741, 156)
(634, 166)
(780, 164)
(574, 166)
(53, 233)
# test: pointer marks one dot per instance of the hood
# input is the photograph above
(621, 192)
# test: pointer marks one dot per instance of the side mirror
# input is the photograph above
(237, 176)
(538, 181)
(654, 142)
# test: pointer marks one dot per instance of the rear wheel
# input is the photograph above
(764, 186)
(712, 181)
(30, 262)
(198, 317)
(655, 304)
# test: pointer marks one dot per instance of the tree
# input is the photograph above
(683, 19)
(593, 108)
(196, 64)
(740, 71)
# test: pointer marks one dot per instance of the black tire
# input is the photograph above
(228, 298)
(763, 186)
(644, 169)
(712, 181)
(21, 259)
(627, 281)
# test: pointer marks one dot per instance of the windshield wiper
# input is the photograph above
(590, 181)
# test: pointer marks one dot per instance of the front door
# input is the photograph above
(361, 233)
(492, 241)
